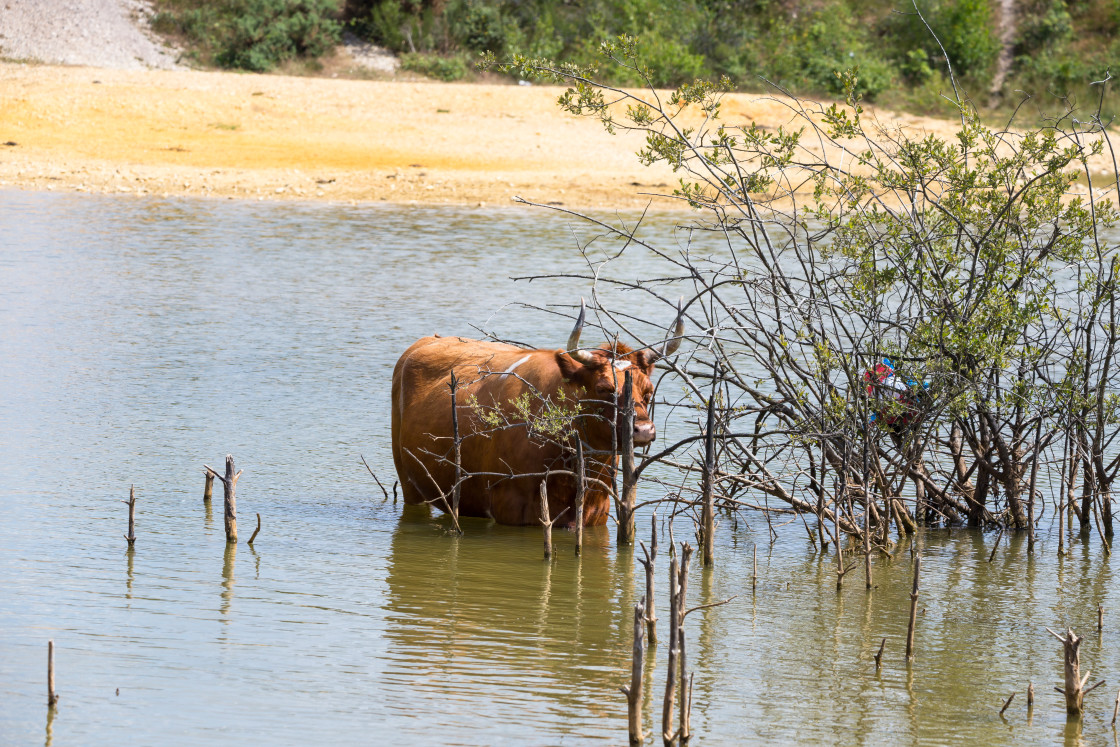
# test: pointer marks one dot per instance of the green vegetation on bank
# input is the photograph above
(1057, 48)
(254, 35)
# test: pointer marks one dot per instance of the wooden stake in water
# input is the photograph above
(633, 691)
(208, 489)
(52, 696)
(651, 612)
(131, 536)
(913, 609)
(229, 482)
(1007, 703)
(879, 655)
(1030, 695)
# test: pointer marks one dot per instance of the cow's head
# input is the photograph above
(599, 376)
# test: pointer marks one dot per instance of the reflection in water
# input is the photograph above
(130, 554)
(116, 327)
(227, 579)
(50, 724)
(486, 604)
(1072, 732)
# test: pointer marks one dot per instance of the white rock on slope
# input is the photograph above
(98, 33)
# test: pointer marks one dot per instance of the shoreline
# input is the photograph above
(187, 133)
(217, 134)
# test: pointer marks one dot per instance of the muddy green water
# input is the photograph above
(140, 339)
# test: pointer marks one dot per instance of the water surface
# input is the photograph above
(140, 339)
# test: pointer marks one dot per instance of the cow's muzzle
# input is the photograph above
(644, 433)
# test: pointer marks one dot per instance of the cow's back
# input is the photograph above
(421, 407)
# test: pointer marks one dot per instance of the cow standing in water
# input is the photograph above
(506, 460)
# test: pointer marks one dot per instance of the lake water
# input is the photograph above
(140, 339)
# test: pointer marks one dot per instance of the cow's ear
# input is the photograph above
(569, 366)
(644, 360)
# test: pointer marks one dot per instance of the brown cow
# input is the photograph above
(506, 452)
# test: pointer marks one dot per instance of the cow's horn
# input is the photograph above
(573, 339)
(673, 341)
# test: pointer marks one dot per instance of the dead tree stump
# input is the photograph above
(1075, 683)
(633, 691)
(208, 489)
(229, 482)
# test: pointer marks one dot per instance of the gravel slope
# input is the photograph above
(97, 33)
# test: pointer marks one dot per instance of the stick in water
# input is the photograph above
(52, 696)
(255, 531)
(913, 609)
(131, 536)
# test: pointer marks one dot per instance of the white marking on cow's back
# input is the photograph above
(621, 365)
(513, 368)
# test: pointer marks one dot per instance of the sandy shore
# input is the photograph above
(180, 132)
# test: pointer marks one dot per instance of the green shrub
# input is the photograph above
(965, 29)
(252, 35)
(273, 31)
(476, 26)
(435, 66)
